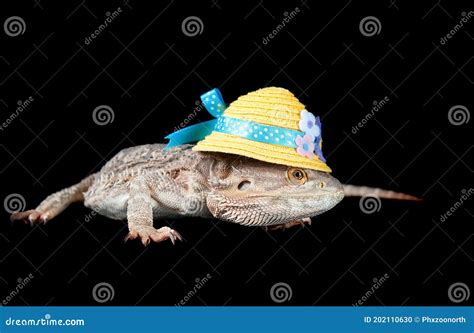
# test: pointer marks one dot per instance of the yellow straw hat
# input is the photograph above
(269, 124)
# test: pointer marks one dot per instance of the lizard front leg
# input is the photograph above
(140, 215)
(180, 197)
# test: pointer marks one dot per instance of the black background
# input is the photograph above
(151, 75)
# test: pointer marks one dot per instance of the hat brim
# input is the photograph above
(231, 144)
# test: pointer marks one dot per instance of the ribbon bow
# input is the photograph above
(214, 104)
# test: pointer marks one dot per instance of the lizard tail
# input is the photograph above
(362, 191)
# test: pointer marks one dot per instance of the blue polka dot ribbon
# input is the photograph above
(214, 104)
(306, 141)
(258, 132)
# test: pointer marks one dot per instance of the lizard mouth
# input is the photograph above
(338, 194)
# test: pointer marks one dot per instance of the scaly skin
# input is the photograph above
(143, 183)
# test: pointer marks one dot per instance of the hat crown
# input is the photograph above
(272, 106)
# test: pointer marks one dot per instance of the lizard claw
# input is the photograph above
(131, 235)
(174, 235)
(148, 234)
(283, 226)
(30, 216)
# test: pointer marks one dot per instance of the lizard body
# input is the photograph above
(144, 183)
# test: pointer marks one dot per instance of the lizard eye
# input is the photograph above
(297, 176)
(244, 185)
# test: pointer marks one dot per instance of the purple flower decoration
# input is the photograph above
(317, 145)
(309, 144)
(309, 124)
(318, 151)
(305, 145)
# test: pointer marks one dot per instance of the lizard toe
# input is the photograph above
(145, 240)
(306, 220)
(165, 233)
(30, 216)
(174, 236)
(131, 235)
(149, 234)
(44, 218)
(284, 226)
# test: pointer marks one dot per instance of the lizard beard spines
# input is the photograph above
(243, 212)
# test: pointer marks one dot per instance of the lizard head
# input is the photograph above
(251, 192)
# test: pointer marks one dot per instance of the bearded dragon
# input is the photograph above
(144, 183)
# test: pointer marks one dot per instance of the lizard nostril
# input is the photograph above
(322, 185)
(243, 185)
